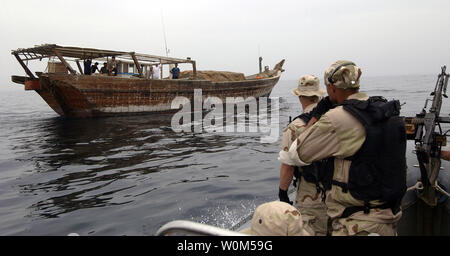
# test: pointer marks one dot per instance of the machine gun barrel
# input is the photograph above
(432, 117)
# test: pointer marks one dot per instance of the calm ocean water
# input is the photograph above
(131, 175)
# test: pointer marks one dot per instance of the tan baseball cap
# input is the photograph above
(343, 74)
(308, 85)
(276, 219)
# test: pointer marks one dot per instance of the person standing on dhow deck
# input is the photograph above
(87, 66)
(309, 196)
(94, 68)
(155, 71)
(112, 66)
(104, 69)
(175, 71)
(367, 139)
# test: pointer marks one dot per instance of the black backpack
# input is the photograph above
(378, 169)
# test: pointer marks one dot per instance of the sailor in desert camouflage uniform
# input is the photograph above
(309, 198)
(369, 178)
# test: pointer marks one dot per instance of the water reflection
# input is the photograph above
(91, 163)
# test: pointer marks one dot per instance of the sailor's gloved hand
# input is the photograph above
(322, 107)
(283, 196)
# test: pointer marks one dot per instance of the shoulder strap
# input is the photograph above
(375, 109)
(305, 117)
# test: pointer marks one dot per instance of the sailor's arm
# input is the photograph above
(329, 136)
(287, 171)
(286, 176)
(318, 142)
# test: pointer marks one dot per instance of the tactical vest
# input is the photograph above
(378, 169)
(318, 172)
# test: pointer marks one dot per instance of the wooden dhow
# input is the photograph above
(72, 94)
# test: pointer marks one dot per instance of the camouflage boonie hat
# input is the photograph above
(343, 74)
(276, 219)
(308, 85)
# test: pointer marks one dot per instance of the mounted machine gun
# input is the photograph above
(429, 141)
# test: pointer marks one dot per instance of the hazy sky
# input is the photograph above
(382, 37)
